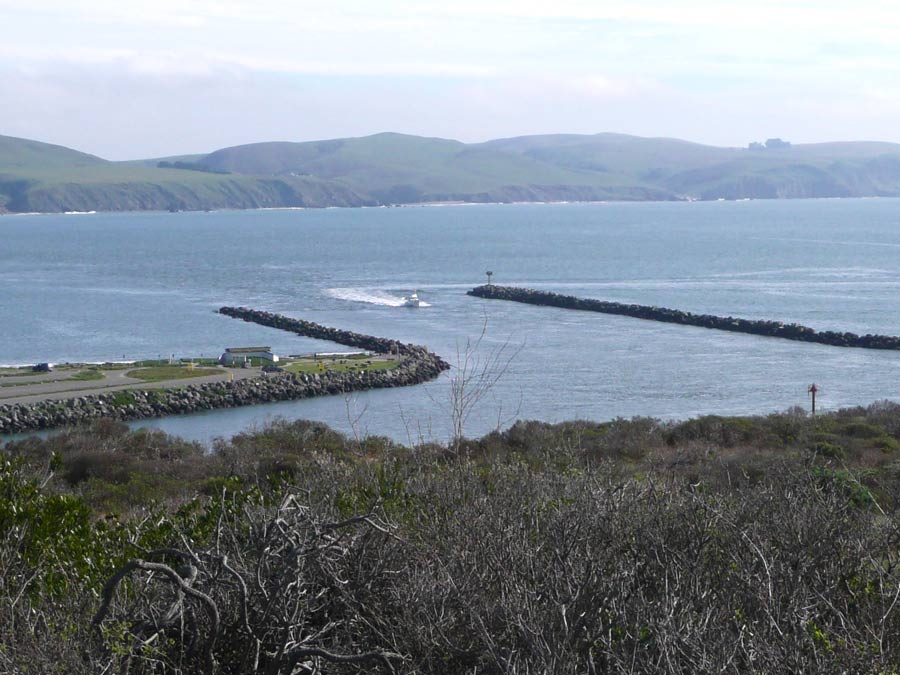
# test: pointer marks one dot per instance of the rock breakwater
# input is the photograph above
(777, 329)
(320, 332)
(416, 365)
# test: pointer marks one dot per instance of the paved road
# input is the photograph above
(116, 380)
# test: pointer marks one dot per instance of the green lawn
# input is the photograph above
(350, 365)
(15, 372)
(162, 373)
(80, 376)
(147, 363)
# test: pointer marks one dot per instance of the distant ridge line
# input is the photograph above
(393, 169)
(776, 329)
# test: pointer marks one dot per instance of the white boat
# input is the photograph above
(412, 300)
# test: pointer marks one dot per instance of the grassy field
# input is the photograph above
(16, 372)
(339, 366)
(80, 376)
(152, 363)
(23, 384)
(163, 373)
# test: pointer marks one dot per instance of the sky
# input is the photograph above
(152, 78)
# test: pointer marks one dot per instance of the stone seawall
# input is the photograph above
(320, 332)
(777, 329)
(417, 365)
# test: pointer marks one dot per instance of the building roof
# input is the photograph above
(245, 350)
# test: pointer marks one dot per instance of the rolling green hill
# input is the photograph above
(398, 168)
(390, 168)
(401, 168)
(694, 171)
(36, 177)
(19, 154)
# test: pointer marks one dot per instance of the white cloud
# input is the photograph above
(711, 70)
(463, 37)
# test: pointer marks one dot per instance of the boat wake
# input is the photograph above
(372, 296)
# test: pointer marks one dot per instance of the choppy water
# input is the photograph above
(112, 286)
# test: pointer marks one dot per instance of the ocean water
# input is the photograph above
(142, 285)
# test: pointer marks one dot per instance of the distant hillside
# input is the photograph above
(694, 171)
(396, 168)
(19, 154)
(391, 168)
(36, 177)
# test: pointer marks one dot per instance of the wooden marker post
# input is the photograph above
(812, 392)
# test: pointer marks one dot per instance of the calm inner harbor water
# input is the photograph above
(141, 285)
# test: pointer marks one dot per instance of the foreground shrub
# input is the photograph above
(536, 550)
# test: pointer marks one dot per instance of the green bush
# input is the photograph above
(829, 450)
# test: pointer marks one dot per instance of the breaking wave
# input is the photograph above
(372, 296)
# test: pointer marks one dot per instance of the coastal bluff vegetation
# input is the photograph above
(396, 169)
(716, 544)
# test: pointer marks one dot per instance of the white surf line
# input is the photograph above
(372, 296)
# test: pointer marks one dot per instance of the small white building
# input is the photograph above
(237, 356)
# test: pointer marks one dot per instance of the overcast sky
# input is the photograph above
(140, 78)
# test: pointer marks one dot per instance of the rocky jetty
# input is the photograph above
(777, 329)
(416, 365)
(320, 332)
